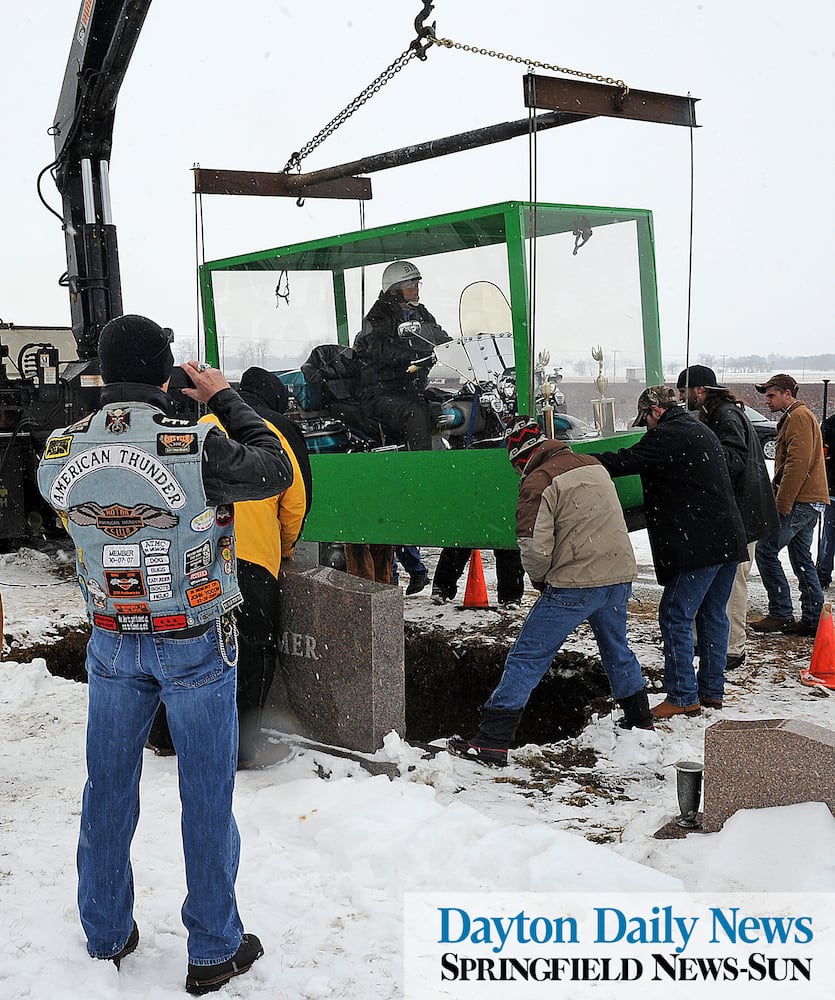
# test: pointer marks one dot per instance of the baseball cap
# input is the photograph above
(655, 395)
(698, 375)
(783, 382)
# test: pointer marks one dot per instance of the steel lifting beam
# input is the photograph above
(249, 182)
(590, 99)
(340, 181)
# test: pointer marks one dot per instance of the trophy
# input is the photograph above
(547, 393)
(604, 406)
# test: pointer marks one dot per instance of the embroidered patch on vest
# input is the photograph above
(203, 521)
(58, 447)
(120, 556)
(121, 522)
(80, 426)
(124, 457)
(134, 623)
(197, 558)
(106, 622)
(176, 444)
(167, 623)
(224, 515)
(164, 421)
(124, 583)
(117, 421)
(204, 593)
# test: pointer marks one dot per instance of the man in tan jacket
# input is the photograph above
(577, 553)
(802, 493)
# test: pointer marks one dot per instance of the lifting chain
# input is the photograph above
(448, 43)
(294, 163)
(418, 47)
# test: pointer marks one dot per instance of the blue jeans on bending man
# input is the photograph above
(796, 533)
(550, 622)
(700, 596)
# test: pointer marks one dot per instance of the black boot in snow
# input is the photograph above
(636, 711)
(490, 744)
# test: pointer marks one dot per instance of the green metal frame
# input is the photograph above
(462, 497)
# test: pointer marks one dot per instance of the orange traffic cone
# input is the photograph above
(821, 672)
(475, 596)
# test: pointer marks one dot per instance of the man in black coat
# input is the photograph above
(697, 538)
(396, 350)
(826, 555)
(724, 414)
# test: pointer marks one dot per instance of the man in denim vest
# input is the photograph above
(147, 499)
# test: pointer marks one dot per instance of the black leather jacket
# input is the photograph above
(385, 355)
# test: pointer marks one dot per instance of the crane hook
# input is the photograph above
(425, 32)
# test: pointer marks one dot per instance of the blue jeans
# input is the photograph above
(700, 596)
(196, 679)
(410, 560)
(796, 532)
(551, 621)
(826, 556)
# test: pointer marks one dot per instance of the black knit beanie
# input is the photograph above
(135, 349)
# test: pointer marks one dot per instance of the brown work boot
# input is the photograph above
(710, 702)
(666, 710)
(771, 624)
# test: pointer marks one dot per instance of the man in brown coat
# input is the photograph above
(577, 553)
(802, 492)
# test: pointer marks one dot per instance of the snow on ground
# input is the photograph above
(328, 850)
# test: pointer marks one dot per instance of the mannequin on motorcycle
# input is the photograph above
(395, 350)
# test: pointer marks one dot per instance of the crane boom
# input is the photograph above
(101, 49)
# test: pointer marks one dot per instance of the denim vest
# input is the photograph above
(152, 555)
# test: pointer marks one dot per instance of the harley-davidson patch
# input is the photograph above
(58, 447)
(121, 522)
(117, 421)
(176, 444)
(124, 583)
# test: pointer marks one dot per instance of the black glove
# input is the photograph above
(540, 585)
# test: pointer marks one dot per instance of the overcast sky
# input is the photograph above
(242, 86)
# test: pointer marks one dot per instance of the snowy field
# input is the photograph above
(329, 851)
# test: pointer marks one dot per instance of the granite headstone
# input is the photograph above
(763, 763)
(340, 677)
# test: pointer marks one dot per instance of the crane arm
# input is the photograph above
(105, 35)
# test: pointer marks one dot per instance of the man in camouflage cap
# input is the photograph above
(697, 538)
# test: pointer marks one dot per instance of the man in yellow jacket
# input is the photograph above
(266, 532)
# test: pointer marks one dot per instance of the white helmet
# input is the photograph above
(397, 271)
